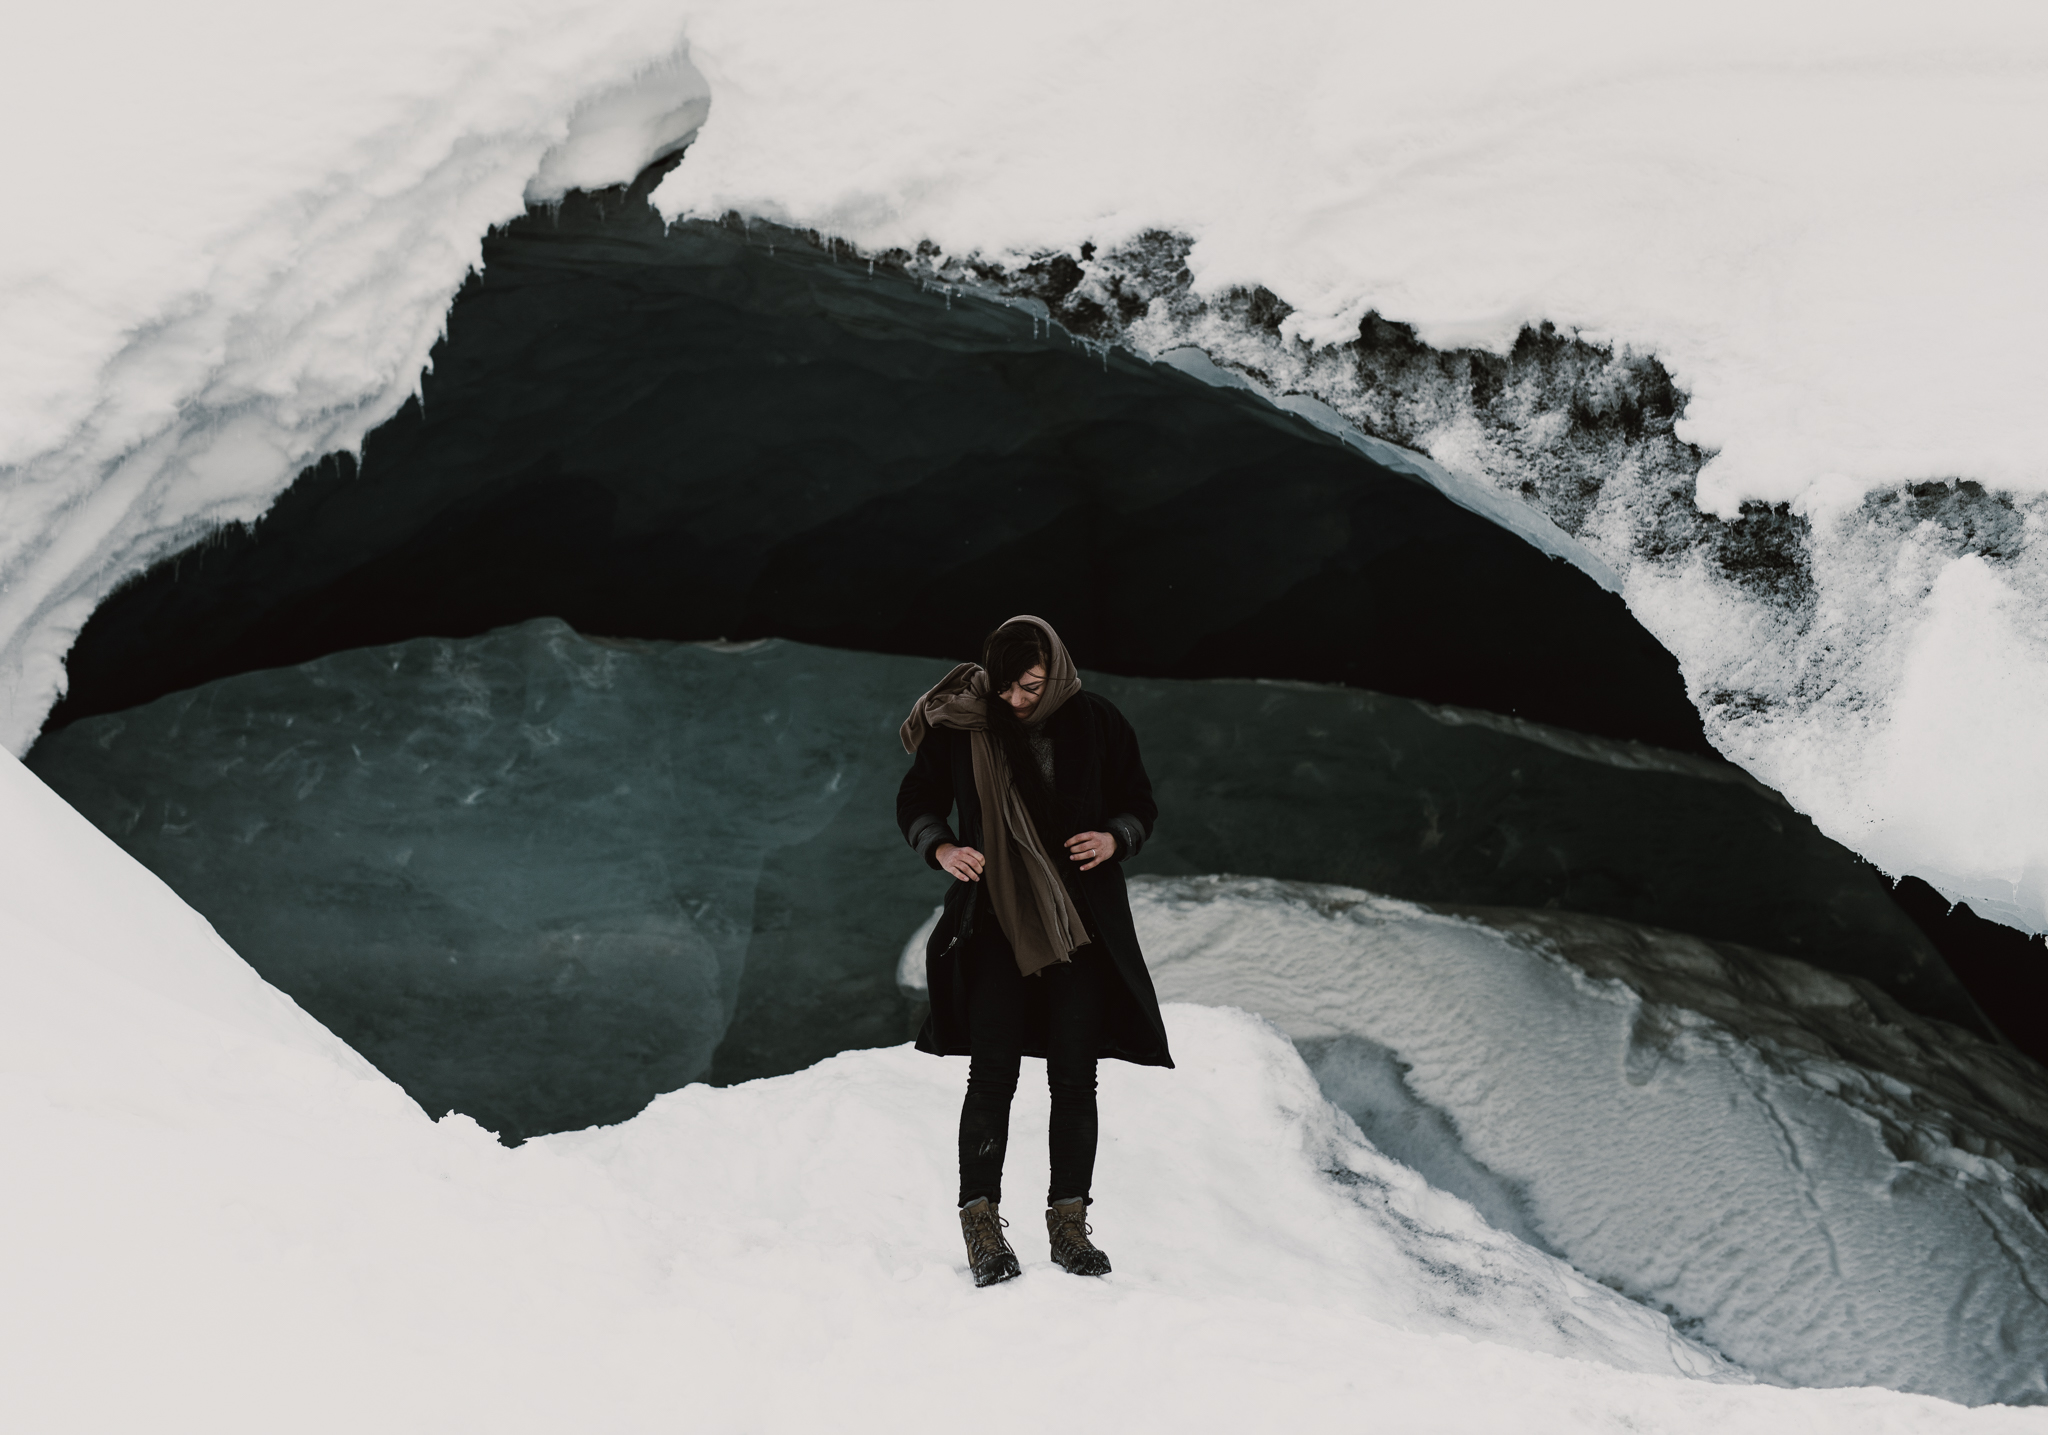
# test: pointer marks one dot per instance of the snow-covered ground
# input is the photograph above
(1817, 1183)
(223, 1220)
(241, 235)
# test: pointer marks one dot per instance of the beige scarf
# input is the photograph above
(1023, 883)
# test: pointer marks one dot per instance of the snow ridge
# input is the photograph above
(301, 235)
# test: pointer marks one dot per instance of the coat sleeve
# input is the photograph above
(925, 799)
(1127, 788)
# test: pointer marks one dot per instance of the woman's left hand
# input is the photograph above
(1091, 849)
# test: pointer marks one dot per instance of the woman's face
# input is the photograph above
(1023, 695)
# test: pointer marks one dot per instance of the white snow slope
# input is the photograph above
(238, 234)
(222, 1220)
(1825, 1187)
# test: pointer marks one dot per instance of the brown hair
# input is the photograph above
(1010, 652)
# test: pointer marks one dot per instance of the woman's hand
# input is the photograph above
(962, 862)
(1091, 849)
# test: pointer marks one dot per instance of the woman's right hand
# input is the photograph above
(962, 862)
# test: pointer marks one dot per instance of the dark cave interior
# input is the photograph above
(701, 433)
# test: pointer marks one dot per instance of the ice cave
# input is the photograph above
(465, 569)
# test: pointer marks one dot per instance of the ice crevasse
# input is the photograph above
(1820, 220)
(224, 1194)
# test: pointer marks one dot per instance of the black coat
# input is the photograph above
(1097, 777)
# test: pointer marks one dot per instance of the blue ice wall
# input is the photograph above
(540, 877)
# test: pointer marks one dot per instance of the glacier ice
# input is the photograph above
(1369, 1083)
(521, 872)
(1816, 1183)
(540, 877)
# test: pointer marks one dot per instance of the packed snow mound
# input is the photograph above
(1822, 219)
(229, 1209)
(1816, 1183)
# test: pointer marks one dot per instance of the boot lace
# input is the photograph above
(1072, 1228)
(985, 1234)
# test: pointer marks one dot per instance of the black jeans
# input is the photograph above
(1074, 997)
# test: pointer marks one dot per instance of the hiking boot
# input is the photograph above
(989, 1255)
(1067, 1226)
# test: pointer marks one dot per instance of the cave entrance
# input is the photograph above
(365, 739)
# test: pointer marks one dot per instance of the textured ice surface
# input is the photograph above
(1816, 1183)
(1369, 1083)
(539, 878)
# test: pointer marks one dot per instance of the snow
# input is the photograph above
(235, 240)
(232, 1223)
(1739, 1138)
(1824, 219)
(246, 234)
(652, 115)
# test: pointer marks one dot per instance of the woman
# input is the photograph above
(1035, 954)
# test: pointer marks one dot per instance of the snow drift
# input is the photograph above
(267, 1232)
